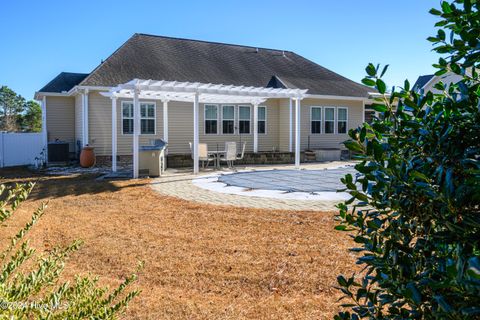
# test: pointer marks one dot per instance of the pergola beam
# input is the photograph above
(187, 87)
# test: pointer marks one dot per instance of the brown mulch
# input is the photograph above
(201, 261)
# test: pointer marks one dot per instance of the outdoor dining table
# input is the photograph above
(217, 154)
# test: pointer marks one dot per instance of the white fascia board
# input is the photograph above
(75, 89)
(39, 95)
(328, 97)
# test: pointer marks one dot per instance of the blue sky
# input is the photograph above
(42, 38)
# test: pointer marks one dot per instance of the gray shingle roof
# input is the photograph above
(64, 82)
(164, 58)
(421, 81)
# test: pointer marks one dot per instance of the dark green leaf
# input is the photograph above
(441, 34)
(381, 86)
(384, 70)
(379, 107)
(370, 69)
(353, 146)
(368, 82)
(446, 7)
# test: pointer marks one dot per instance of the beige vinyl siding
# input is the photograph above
(61, 120)
(355, 118)
(323, 140)
(78, 119)
(270, 141)
(284, 123)
(180, 126)
(100, 126)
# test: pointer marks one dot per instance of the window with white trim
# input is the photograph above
(228, 119)
(127, 117)
(342, 118)
(329, 120)
(262, 119)
(147, 118)
(211, 119)
(244, 119)
(316, 120)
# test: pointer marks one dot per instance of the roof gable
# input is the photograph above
(422, 81)
(64, 82)
(163, 58)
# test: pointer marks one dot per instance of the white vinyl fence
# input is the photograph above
(17, 149)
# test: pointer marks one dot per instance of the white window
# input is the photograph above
(127, 117)
(329, 120)
(262, 119)
(244, 119)
(342, 120)
(211, 119)
(316, 120)
(228, 119)
(147, 118)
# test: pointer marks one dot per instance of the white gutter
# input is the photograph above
(39, 95)
(328, 97)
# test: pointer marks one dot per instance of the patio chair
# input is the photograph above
(230, 154)
(203, 154)
(240, 156)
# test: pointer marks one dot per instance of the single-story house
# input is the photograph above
(183, 91)
(427, 82)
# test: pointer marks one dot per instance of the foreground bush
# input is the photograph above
(35, 292)
(415, 203)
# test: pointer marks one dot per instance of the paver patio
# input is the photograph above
(178, 183)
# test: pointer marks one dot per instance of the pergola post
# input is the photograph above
(136, 132)
(165, 120)
(297, 133)
(114, 134)
(195, 134)
(255, 127)
(290, 125)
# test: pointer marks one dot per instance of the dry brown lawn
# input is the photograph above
(201, 261)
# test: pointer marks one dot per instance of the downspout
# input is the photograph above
(44, 127)
(85, 117)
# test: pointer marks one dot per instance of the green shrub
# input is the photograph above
(415, 202)
(36, 292)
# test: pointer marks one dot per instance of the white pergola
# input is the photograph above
(196, 93)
